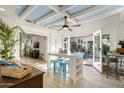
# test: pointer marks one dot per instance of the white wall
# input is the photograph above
(110, 25)
(120, 30)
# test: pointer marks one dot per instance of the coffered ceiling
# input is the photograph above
(47, 15)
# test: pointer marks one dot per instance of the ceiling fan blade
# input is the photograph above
(51, 27)
(60, 29)
(56, 25)
(76, 25)
(69, 29)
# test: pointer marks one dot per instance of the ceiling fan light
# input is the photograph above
(1, 9)
(65, 28)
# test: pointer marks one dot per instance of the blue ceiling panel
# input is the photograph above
(78, 8)
(98, 12)
(52, 19)
(20, 9)
(39, 12)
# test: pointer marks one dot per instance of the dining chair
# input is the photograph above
(112, 64)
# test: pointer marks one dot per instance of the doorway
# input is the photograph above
(33, 46)
(97, 50)
(83, 45)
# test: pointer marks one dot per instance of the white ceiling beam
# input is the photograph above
(28, 11)
(62, 21)
(69, 18)
(62, 10)
(88, 10)
(66, 14)
(55, 8)
(56, 22)
(72, 21)
(43, 19)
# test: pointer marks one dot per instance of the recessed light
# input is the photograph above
(1, 9)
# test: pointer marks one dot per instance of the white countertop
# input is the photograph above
(65, 55)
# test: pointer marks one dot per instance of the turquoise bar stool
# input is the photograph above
(54, 65)
(59, 60)
(63, 68)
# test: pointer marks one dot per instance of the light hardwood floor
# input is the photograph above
(91, 78)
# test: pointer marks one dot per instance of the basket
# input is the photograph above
(16, 72)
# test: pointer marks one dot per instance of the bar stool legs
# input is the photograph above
(63, 69)
(59, 68)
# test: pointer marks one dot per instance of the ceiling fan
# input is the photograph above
(66, 25)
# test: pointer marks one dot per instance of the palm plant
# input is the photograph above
(9, 36)
(105, 49)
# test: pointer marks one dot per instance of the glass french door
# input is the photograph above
(97, 50)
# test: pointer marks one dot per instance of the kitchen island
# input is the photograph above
(75, 65)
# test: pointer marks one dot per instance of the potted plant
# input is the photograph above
(105, 50)
(9, 36)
